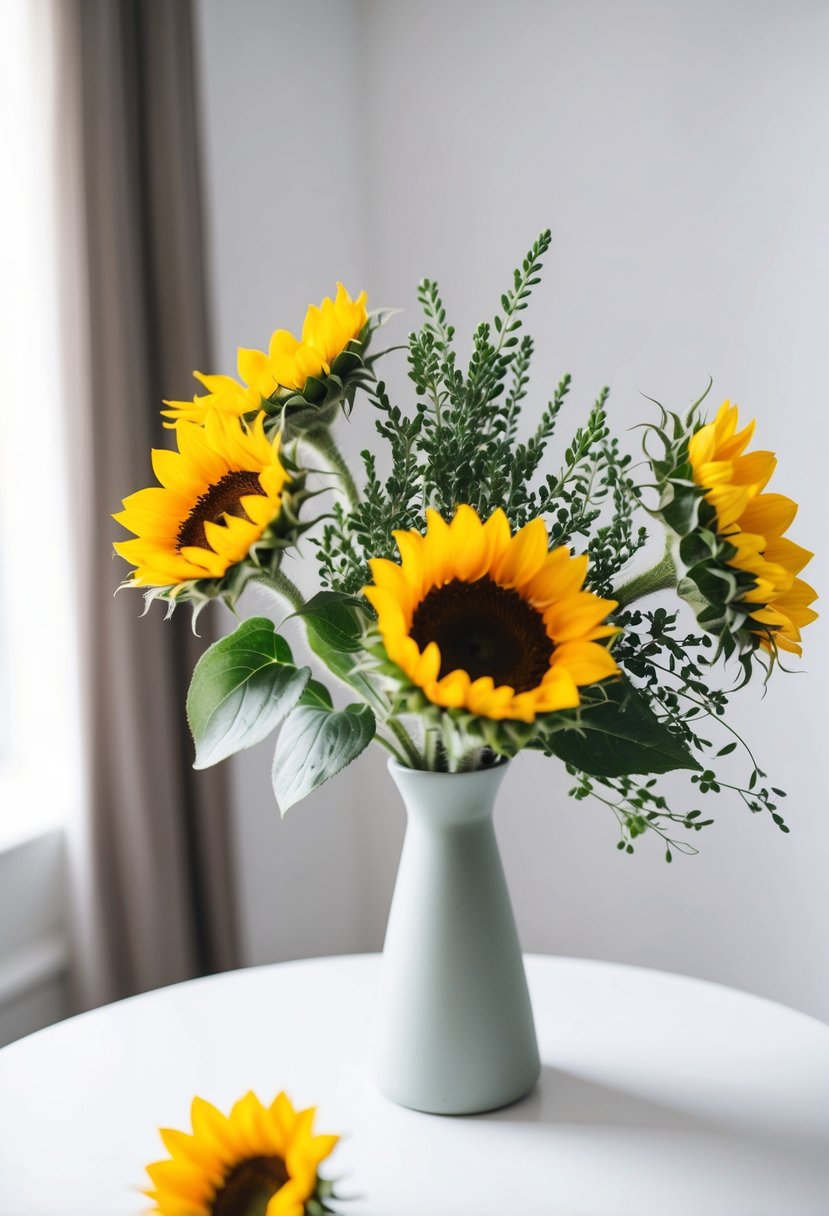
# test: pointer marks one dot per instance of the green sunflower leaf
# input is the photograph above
(336, 634)
(316, 694)
(243, 686)
(620, 736)
(335, 620)
(316, 744)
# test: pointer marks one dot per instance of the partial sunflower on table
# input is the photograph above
(333, 338)
(257, 1161)
(223, 499)
(739, 570)
(479, 619)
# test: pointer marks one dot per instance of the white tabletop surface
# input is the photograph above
(659, 1094)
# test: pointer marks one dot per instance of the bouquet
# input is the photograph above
(475, 595)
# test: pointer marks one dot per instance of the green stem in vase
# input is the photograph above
(392, 749)
(413, 757)
(431, 750)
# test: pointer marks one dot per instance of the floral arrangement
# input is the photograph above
(256, 1160)
(474, 597)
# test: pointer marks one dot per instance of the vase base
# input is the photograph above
(473, 1102)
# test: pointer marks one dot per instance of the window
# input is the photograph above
(38, 678)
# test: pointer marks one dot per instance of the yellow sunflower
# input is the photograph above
(224, 394)
(287, 366)
(753, 523)
(486, 621)
(256, 1161)
(218, 494)
(329, 328)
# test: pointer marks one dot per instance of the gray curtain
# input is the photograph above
(150, 864)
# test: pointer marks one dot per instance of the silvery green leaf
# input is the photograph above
(242, 688)
(316, 744)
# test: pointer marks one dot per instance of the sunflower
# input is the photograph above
(287, 366)
(750, 524)
(219, 493)
(489, 622)
(329, 328)
(224, 394)
(256, 1161)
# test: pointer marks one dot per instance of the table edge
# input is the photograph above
(530, 958)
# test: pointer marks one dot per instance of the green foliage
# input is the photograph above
(674, 675)
(315, 744)
(335, 620)
(246, 685)
(638, 809)
(336, 625)
(613, 544)
(460, 445)
(242, 688)
(619, 736)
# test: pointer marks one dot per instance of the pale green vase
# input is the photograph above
(454, 1028)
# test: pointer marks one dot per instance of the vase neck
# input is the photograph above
(448, 799)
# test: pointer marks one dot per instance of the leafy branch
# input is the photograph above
(459, 445)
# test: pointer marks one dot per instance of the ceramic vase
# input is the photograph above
(454, 1027)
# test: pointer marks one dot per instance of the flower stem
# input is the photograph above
(282, 586)
(660, 577)
(320, 439)
(413, 757)
(431, 753)
(390, 747)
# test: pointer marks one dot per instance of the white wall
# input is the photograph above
(679, 154)
(285, 182)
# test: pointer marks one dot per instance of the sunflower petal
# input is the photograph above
(524, 556)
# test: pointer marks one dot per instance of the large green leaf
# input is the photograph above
(335, 621)
(316, 744)
(336, 624)
(242, 687)
(316, 694)
(621, 736)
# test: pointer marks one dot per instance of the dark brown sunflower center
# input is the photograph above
(222, 497)
(485, 630)
(248, 1187)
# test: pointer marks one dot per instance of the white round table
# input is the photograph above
(659, 1095)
